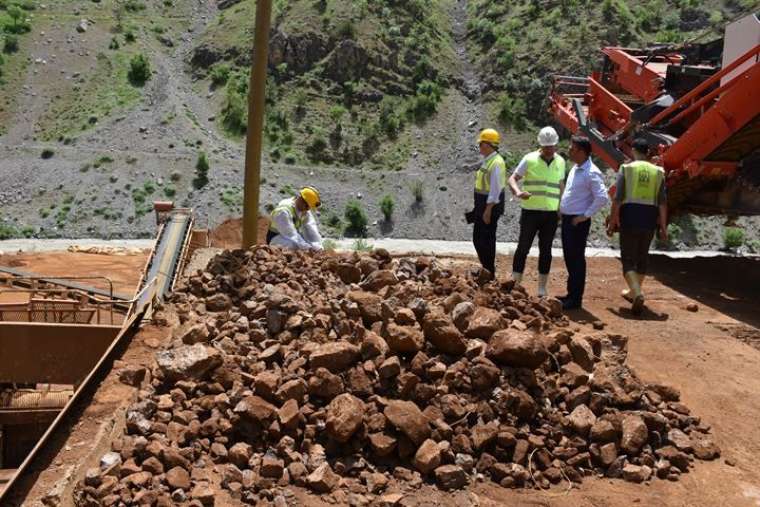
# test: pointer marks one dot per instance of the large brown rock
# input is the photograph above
(348, 273)
(635, 434)
(325, 385)
(403, 339)
(582, 353)
(450, 477)
(369, 305)
(379, 279)
(428, 457)
(582, 419)
(461, 315)
(484, 322)
(197, 333)
(519, 349)
(178, 478)
(189, 362)
(344, 416)
(336, 356)
(256, 409)
(408, 419)
(323, 479)
(441, 332)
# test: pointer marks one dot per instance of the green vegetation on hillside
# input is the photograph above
(521, 43)
(346, 77)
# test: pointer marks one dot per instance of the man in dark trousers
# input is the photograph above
(585, 194)
(638, 209)
(541, 173)
(490, 181)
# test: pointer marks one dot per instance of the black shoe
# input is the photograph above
(569, 304)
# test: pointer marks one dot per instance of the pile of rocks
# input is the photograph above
(342, 373)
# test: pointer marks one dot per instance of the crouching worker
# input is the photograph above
(293, 224)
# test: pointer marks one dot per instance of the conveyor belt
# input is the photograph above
(163, 267)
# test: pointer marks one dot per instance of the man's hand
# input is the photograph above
(487, 216)
(664, 233)
(579, 219)
(613, 225)
(522, 194)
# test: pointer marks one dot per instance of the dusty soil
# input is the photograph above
(124, 271)
(229, 234)
(694, 351)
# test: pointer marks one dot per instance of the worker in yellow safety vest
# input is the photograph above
(490, 182)
(638, 209)
(542, 173)
(293, 224)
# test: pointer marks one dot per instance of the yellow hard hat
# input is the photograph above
(489, 136)
(311, 196)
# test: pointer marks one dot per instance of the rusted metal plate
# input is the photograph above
(32, 416)
(51, 353)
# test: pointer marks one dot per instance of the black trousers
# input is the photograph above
(532, 222)
(484, 235)
(634, 249)
(574, 239)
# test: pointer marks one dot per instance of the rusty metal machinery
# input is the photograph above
(698, 105)
(47, 367)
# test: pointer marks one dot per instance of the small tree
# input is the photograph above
(11, 43)
(733, 237)
(356, 218)
(418, 191)
(386, 206)
(139, 70)
(201, 171)
(15, 12)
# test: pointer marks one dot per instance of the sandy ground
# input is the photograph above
(703, 353)
(123, 271)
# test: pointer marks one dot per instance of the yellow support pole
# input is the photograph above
(253, 145)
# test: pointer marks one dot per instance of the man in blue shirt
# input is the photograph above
(585, 194)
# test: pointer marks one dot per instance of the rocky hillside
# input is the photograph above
(108, 105)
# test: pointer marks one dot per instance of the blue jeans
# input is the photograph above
(574, 250)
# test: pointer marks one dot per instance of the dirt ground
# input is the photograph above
(123, 271)
(701, 353)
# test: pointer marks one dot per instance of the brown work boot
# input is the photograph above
(637, 306)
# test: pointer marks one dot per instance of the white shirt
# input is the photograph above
(308, 238)
(496, 188)
(585, 192)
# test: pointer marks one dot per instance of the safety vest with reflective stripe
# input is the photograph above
(483, 176)
(288, 206)
(543, 182)
(643, 181)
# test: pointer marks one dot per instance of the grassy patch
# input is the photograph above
(99, 94)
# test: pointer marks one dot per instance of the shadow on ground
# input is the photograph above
(730, 285)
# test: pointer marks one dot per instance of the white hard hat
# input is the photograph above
(548, 137)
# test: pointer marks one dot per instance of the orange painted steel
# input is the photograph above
(735, 108)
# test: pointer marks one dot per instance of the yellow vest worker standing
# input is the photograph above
(640, 203)
(293, 224)
(490, 181)
(542, 173)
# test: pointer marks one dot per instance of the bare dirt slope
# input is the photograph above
(716, 373)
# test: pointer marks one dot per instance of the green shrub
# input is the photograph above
(129, 36)
(733, 237)
(10, 45)
(235, 108)
(134, 5)
(19, 23)
(356, 218)
(220, 74)
(424, 104)
(512, 112)
(114, 44)
(47, 153)
(345, 30)
(316, 149)
(139, 70)
(201, 171)
(362, 245)
(8, 231)
(386, 206)
(418, 191)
